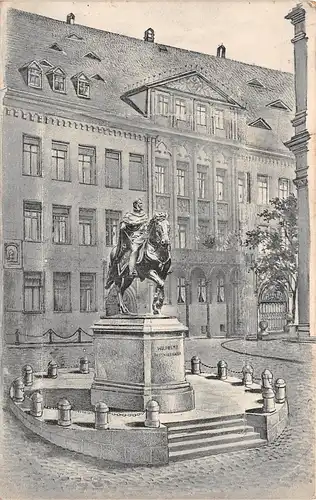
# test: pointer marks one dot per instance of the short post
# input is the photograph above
(222, 369)
(195, 365)
(268, 400)
(101, 412)
(280, 390)
(84, 365)
(64, 413)
(27, 373)
(18, 390)
(247, 375)
(152, 414)
(267, 378)
(36, 409)
(52, 369)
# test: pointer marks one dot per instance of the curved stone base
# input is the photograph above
(171, 399)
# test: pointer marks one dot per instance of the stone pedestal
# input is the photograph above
(139, 358)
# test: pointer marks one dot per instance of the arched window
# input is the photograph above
(201, 290)
(220, 289)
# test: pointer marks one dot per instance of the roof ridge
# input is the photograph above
(235, 61)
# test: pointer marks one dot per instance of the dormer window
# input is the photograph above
(92, 55)
(98, 78)
(82, 85)
(57, 80)
(34, 75)
(256, 83)
(55, 46)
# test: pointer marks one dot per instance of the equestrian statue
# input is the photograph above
(143, 251)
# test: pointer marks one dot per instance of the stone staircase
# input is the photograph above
(210, 436)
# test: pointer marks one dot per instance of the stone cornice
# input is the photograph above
(76, 124)
(298, 143)
(296, 15)
(299, 118)
(301, 35)
(268, 160)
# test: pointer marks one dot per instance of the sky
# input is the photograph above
(254, 32)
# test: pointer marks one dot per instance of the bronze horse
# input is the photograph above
(153, 262)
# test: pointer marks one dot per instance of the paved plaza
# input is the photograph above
(32, 468)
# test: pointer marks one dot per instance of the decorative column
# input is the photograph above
(208, 309)
(298, 145)
(187, 306)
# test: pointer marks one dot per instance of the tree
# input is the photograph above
(276, 243)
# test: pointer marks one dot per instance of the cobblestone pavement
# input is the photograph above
(35, 469)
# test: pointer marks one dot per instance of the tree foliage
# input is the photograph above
(276, 242)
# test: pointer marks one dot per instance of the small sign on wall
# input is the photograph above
(13, 254)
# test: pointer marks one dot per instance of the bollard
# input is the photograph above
(64, 413)
(27, 373)
(36, 409)
(247, 375)
(101, 412)
(18, 390)
(52, 369)
(268, 400)
(280, 390)
(222, 369)
(152, 414)
(195, 365)
(266, 378)
(84, 365)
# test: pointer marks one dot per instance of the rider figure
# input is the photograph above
(135, 224)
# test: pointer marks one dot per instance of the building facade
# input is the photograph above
(93, 120)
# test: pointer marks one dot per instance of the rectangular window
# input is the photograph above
(59, 82)
(32, 212)
(33, 292)
(182, 234)
(180, 109)
(60, 163)
(31, 156)
(62, 291)
(203, 233)
(112, 227)
(241, 187)
(181, 291)
(113, 169)
(137, 177)
(181, 182)
(35, 77)
(222, 230)
(248, 187)
(220, 185)
(201, 291)
(87, 292)
(61, 224)
(161, 177)
(201, 114)
(263, 197)
(87, 165)
(201, 180)
(284, 188)
(87, 226)
(83, 88)
(163, 104)
(220, 289)
(219, 119)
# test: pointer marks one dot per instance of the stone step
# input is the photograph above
(196, 443)
(195, 425)
(216, 449)
(197, 433)
(206, 420)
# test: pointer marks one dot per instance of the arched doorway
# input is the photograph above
(111, 304)
(273, 307)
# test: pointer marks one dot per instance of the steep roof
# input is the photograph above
(125, 62)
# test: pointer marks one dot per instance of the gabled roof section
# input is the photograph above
(92, 55)
(47, 64)
(278, 104)
(260, 123)
(31, 64)
(97, 77)
(57, 71)
(191, 82)
(256, 83)
(74, 36)
(80, 76)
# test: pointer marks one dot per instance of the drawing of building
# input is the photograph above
(93, 120)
